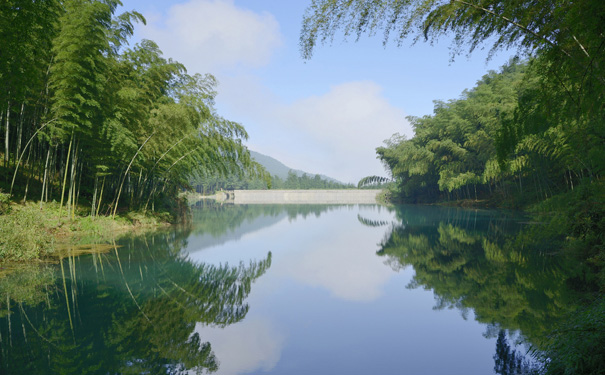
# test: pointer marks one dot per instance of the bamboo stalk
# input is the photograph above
(115, 209)
(65, 174)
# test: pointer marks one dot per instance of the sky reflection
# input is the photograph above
(330, 305)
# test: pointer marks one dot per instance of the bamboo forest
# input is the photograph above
(91, 119)
(142, 233)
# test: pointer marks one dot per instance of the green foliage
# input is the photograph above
(541, 121)
(90, 121)
(212, 184)
(372, 181)
(531, 132)
(568, 34)
(452, 155)
(4, 203)
(79, 68)
(31, 231)
(26, 31)
(24, 235)
(578, 345)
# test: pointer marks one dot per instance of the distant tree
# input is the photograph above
(291, 181)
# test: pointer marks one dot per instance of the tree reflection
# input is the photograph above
(132, 309)
(217, 219)
(485, 262)
(508, 361)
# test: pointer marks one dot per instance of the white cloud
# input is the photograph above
(335, 133)
(210, 35)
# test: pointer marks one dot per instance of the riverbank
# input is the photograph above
(34, 231)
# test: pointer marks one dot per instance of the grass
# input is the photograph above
(31, 231)
(24, 234)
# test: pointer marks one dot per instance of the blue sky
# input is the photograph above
(326, 115)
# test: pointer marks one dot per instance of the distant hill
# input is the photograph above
(279, 169)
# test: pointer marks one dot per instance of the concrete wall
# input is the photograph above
(305, 196)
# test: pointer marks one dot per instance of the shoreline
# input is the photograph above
(32, 232)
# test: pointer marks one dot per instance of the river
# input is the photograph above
(292, 289)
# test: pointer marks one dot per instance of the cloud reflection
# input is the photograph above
(251, 345)
(343, 268)
(344, 263)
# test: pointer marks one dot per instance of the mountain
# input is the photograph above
(279, 169)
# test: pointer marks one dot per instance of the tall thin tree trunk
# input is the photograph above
(94, 197)
(72, 187)
(52, 175)
(100, 197)
(1, 122)
(150, 197)
(73, 182)
(30, 174)
(20, 130)
(6, 143)
(79, 185)
(115, 209)
(66, 166)
(68, 201)
(131, 191)
(45, 179)
(139, 187)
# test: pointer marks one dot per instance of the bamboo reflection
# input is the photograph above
(128, 311)
(487, 263)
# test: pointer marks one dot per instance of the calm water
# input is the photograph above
(292, 290)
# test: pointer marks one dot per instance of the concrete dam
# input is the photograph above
(351, 196)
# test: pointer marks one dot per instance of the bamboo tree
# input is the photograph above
(126, 173)
(23, 152)
(100, 198)
(66, 169)
(44, 181)
(6, 135)
(98, 101)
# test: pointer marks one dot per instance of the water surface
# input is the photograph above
(310, 289)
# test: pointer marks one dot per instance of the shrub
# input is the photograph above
(4, 203)
(23, 235)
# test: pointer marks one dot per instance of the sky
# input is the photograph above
(326, 115)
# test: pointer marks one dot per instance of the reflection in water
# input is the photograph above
(131, 310)
(508, 361)
(484, 261)
(254, 344)
(219, 219)
(329, 304)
